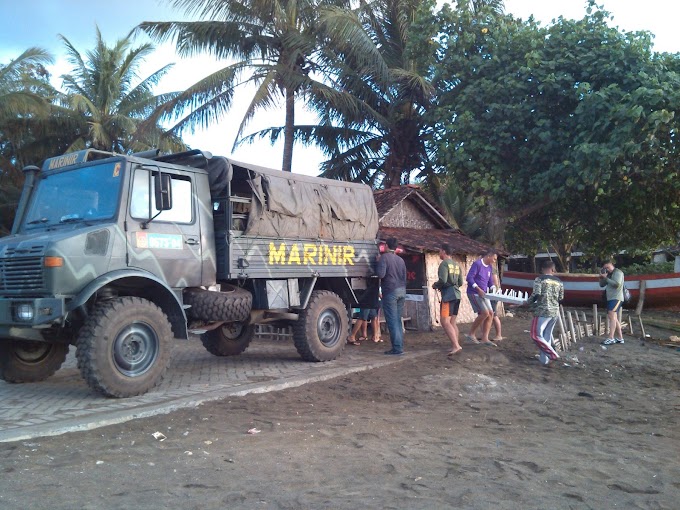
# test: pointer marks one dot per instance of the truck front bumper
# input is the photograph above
(30, 312)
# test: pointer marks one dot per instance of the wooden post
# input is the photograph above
(579, 336)
(630, 324)
(596, 321)
(641, 298)
(642, 328)
(571, 327)
(577, 323)
(584, 319)
(563, 320)
(563, 332)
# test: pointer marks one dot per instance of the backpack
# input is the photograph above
(626, 295)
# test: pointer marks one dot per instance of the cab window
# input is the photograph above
(142, 205)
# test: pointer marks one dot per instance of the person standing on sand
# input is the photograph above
(547, 293)
(449, 283)
(612, 279)
(478, 279)
(392, 271)
(494, 305)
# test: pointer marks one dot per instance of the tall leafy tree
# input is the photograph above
(121, 110)
(577, 119)
(271, 44)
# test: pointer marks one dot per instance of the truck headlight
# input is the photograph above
(23, 312)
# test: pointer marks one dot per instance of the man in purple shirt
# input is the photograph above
(479, 279)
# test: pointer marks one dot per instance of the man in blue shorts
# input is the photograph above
(366, 315)
(450, 279)
(478, 281)
(612, 279)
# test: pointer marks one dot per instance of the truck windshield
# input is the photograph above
(85, 194)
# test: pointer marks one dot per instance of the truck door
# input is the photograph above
(166, 243)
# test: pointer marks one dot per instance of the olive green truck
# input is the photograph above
(118, 255)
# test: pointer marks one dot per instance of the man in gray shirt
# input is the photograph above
(392, 271)
(613, 280)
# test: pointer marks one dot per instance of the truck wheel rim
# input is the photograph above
(32, 352)
(328, 327)
(135, 349)
(233, 330)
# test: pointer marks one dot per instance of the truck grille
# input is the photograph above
(21, 273)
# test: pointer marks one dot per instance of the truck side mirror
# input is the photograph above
(163, 191)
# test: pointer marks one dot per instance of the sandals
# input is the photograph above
(353, 342)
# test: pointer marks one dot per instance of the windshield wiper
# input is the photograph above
(40, 220)
(70, 219)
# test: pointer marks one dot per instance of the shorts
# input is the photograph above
(613, 305)
(493, 307)
(368, 314)
(449, 308)
(479, 303)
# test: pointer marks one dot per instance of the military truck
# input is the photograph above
(118, 255)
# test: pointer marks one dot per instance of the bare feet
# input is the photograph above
(471, 339)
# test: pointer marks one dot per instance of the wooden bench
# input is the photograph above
(404, 320)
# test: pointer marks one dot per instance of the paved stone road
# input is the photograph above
(64, 403)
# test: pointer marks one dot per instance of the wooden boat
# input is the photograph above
(661, 290)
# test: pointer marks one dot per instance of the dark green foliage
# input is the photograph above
(568, 131)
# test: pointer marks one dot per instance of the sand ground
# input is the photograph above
(488, 429)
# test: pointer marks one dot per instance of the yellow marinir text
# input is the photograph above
(311, 254)
(61, 161)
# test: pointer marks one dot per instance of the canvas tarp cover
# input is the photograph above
(297, 208)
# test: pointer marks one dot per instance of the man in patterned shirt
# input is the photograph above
(546, 296)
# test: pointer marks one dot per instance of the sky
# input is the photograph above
(28, 23)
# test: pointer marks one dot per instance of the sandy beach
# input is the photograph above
(489, 428)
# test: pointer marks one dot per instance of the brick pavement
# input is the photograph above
(64, 403)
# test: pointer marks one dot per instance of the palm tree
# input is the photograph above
(121, 111)
(23, 93)
(371, 115)
(23, 102)
(272, 43)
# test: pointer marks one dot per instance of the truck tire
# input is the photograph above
(322, 328)
(228, 340)
(232, 304)
(124, 347)
(23, 361)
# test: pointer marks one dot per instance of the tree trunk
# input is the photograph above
(563, 252)
(498, 220)
(289, 132)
